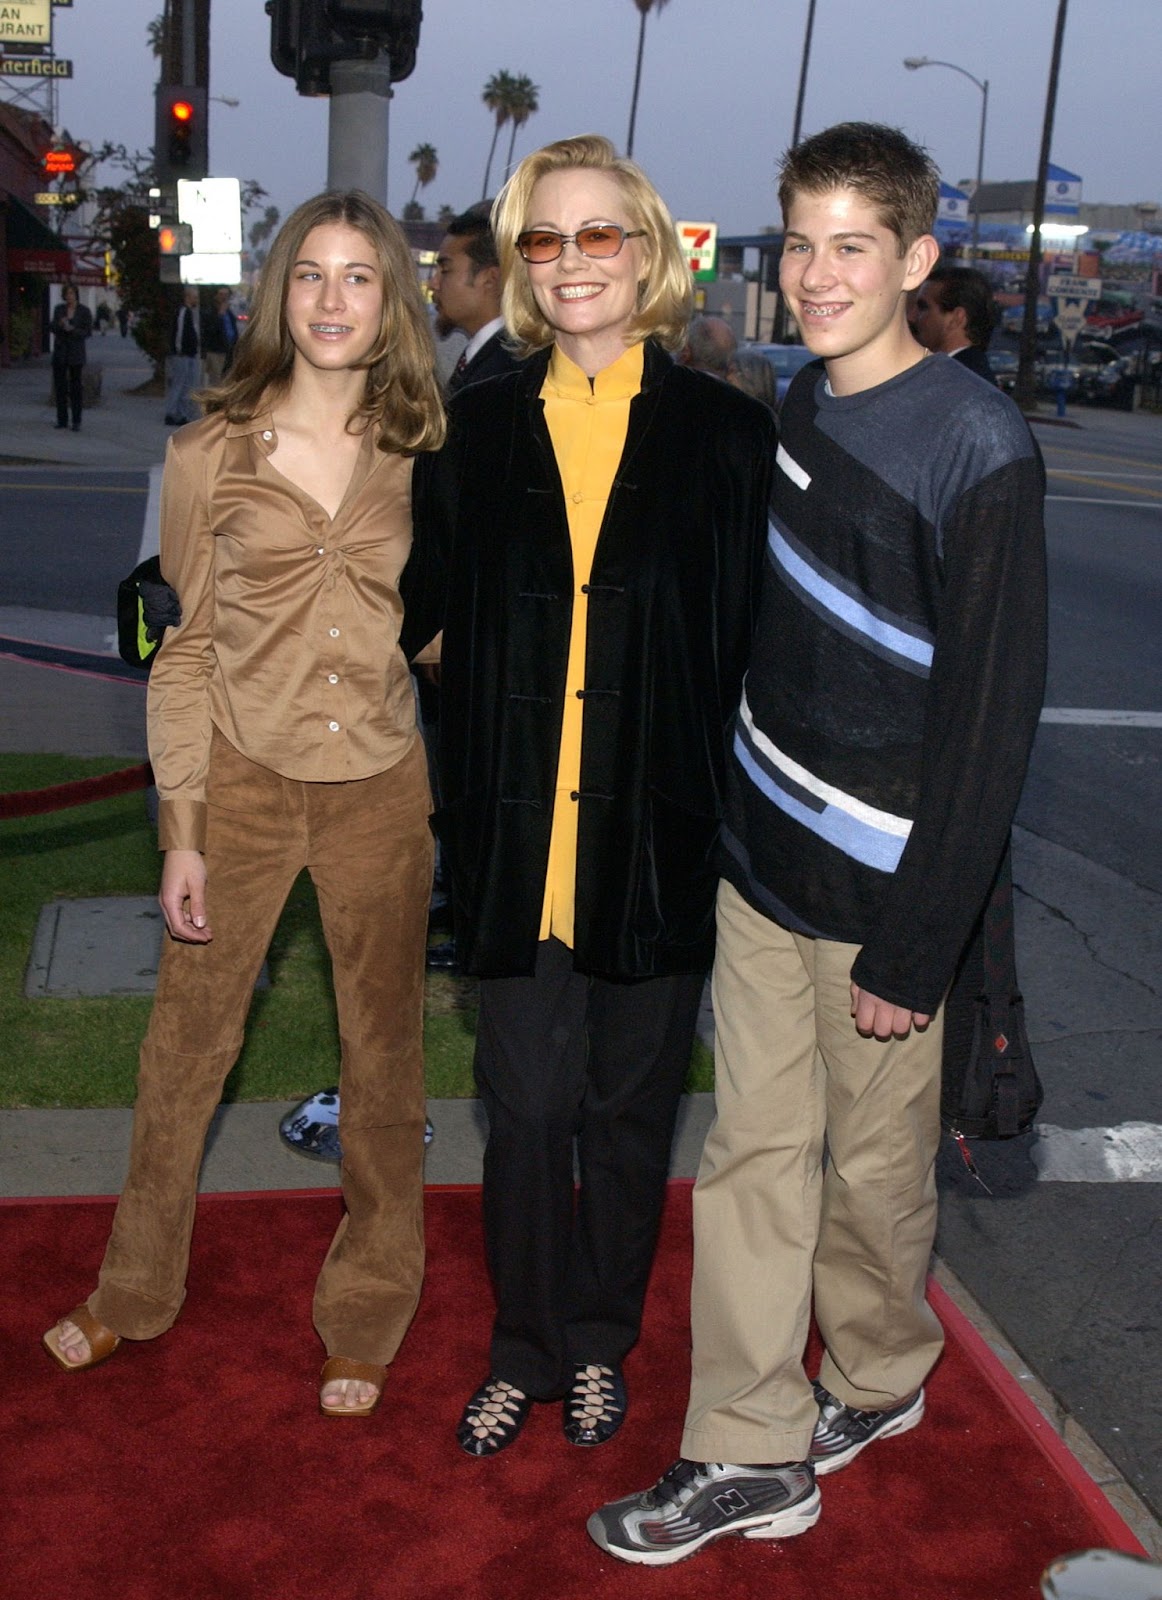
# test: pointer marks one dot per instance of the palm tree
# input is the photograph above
(426, 162)
(522, 104)
(497, 96)
(644, 9)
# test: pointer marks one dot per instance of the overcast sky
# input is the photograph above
(718, 90)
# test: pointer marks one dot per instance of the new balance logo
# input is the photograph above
(731, 1503)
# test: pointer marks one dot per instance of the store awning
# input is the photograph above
(32, 245)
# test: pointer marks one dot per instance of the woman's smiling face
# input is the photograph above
(589, 303)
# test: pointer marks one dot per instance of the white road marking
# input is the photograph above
(1082, 717)
(1128, 1153)
(1087, 500)
(151, 522)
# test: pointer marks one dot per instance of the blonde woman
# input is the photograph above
(282, 736)
(599, 515)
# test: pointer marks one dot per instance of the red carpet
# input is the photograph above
(196, 1467)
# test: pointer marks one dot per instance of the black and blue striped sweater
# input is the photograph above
(897, 672)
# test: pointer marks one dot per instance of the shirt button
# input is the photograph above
(267, 434)
(577, 498)
(320, 551)
(332, 677)
(334, 632)
(334, 727)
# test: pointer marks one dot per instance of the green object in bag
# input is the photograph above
(146, 606)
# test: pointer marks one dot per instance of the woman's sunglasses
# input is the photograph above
(539, 245)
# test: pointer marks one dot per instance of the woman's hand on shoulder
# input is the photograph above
(182, 896)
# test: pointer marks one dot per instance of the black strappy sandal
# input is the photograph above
(492, 1418)
(595, 1406)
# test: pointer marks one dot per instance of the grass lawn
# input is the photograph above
(84, 1052)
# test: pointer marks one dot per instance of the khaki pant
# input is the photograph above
(770, 1225)
(368, 849)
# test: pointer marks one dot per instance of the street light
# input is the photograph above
(913, 63)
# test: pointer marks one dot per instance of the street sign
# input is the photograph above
(213, 208)
(48, 198)
(1067, 285)
(699, 241)
(1070, 320)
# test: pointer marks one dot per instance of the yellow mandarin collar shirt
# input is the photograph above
(587, 421)
(289, 641)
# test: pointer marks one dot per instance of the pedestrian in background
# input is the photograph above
(953, 314)
(282, 735)
(185, 360)
(219, 336)
(72, 324)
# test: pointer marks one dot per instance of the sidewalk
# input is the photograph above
(68, 1152)
(124, 432)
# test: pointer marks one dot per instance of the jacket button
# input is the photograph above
(584, 588)
(574, 795)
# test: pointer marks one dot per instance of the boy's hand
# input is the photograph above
(880, 1019)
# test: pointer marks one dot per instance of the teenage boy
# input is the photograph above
(885, 727)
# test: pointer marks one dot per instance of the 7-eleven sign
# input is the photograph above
(699, 241)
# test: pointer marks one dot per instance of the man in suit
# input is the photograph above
(185, 360)
(953, 314)
(466, 294)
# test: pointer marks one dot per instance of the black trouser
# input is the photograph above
(564, 1059)
(66, 382)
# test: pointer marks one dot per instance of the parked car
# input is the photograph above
(786, 359)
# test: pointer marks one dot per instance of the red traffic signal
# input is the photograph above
(180, 147)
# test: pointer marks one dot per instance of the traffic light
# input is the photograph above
(181, 144)
(175, 238)
(306, 36)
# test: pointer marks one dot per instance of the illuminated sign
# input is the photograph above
(56, 161)
(29, 22)
(49, 199)
(699, 241)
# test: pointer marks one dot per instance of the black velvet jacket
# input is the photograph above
(672, 597)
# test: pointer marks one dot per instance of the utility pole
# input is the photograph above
(1028, 348)
(352, 50)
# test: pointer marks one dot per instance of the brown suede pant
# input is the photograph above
(369, 851)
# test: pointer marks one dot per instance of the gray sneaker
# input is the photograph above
(696, 1501)
(842, 1431)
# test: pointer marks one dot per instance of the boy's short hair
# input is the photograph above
(964, 288)
(882, 164)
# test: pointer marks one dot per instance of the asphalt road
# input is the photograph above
(1072, 1271)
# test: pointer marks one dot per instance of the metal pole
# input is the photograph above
(357, 127)
(984, 111)
(1028, 348)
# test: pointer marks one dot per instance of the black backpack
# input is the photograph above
(989, 1084)
(146, 606)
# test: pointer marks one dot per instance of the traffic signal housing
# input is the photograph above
(181, 138)
(307, 36)
(175, 239)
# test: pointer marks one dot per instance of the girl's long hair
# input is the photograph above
(401, 393)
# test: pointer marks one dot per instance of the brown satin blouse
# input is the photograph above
(289, 640)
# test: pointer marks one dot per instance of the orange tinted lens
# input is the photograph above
(599, 241)
(540, 246)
